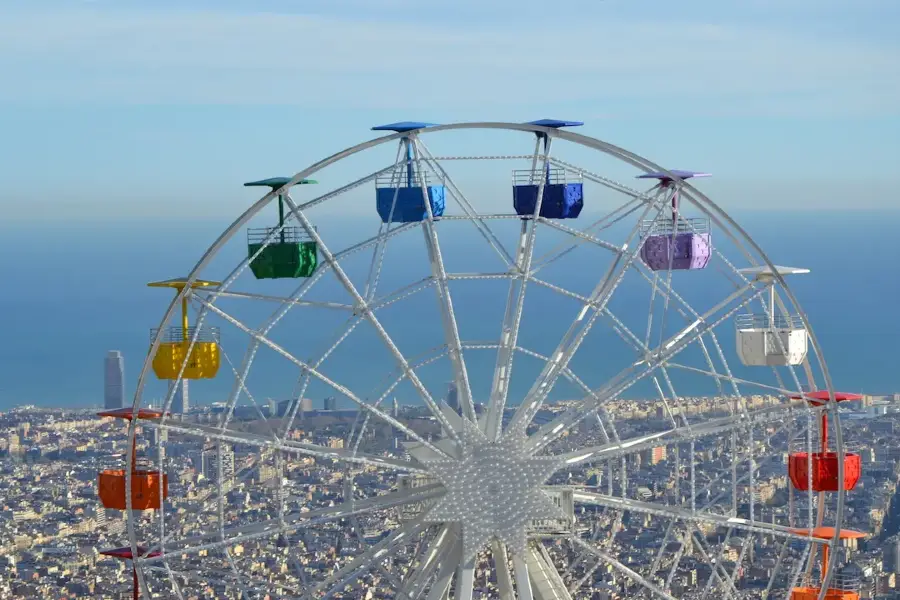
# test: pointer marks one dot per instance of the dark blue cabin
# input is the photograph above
(400, 194)
(563, 195)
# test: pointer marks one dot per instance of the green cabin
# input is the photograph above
(290, 253)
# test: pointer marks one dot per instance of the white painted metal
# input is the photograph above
(494, 486)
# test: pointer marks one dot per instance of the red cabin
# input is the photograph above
(824, 471)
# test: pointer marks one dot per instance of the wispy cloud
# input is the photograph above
(213, 56)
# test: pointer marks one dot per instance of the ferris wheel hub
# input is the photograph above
(494, 490)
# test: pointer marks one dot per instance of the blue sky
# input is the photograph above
(127, 108)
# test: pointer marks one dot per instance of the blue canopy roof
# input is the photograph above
(677, 172)
(555, 123)
(403, 126)
(276, 182)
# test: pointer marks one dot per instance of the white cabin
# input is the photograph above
(771, 339)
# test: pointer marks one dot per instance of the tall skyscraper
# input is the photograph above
(330, 403)
(113, 380)
(181, 401)
(453, 396)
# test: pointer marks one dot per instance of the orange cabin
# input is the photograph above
(144, 489)
(812, 593)
(824, 471)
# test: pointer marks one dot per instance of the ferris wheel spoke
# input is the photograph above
(281, 300)
(578, 330)
(515, 300)
(603, 181)
(306, 368)
(439, 556)
(543, 576)
(508, 334)
(364, 562)
(618, 566)
(465, 580)
(228, 577)
(752, 471)
(780, 390)
(500, 559)
(464, 204)
(717, 570)
(584, 236)
(643, 350)
(631, 375)
(714, 427)
(287, 446)
(367, 313)
(351, 186)
(582, 554)
(445, 302)
(294, 521)
(675, 512)
(402, 293)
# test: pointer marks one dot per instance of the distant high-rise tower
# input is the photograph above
(453, 396)
(396, 408)
(217, 464)
(180, 401)
(330, 403)
(114, 380)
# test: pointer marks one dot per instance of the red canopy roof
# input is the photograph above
(125, 553)
(821, 397)
(128, 413)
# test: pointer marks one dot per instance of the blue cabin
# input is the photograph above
(563, 196)
(400, 194)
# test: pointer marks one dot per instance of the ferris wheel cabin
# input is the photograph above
(281, 252)
(175, 342)
(561, 191)
(146, 491)
(671, 241)
(400, 193)
(770, 339)
(823, 472)
(845, 582)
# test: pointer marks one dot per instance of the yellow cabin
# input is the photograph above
(203, 362)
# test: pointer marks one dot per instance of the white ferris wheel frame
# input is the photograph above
(686, 190)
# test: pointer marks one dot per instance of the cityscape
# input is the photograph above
(53, 524)
(449, 300)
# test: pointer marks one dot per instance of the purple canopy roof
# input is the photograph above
(677, 172)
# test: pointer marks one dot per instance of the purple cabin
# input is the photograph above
(671, 240)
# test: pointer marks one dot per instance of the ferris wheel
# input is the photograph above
(584, 381)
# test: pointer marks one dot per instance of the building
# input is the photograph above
(210, 465)
(113, 380)
(891, 555)
(180, 401)
(329, 403)
(453, 396)
(654, 456)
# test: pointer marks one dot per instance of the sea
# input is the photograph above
(70, 292)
